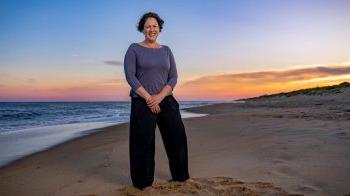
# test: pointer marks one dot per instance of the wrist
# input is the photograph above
(162, 95)
(147, 97)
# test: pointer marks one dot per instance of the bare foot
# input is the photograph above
(190, 180)
(148, 189)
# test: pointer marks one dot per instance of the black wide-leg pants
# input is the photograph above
(142, 140)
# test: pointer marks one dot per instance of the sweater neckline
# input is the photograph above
(148, 47)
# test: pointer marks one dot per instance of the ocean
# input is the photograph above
(29, 127)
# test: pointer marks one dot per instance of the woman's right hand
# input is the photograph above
(155, 109)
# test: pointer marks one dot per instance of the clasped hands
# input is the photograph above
(153, 102)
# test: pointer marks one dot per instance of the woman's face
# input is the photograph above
(151, 29)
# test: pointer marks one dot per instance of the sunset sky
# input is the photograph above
(224, 50)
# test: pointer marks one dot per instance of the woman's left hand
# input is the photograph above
(156, 99)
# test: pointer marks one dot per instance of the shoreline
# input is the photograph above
(29, 141)
(88, 132)
(73, 135)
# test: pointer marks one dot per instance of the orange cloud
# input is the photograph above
(241, 85)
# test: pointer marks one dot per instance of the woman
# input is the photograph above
(150, 71)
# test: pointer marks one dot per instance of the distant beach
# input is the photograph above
(272, 145)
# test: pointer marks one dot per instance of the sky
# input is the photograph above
(224, 50)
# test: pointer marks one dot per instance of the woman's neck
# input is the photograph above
(150, 43)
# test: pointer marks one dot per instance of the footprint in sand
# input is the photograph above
(307, 189)
(288, 171)
(224, 186)
(342, 135)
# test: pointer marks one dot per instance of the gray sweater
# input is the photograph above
(151, 68)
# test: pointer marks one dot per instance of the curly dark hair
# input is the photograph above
(143, 19)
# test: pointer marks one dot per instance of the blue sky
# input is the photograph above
(72, 39)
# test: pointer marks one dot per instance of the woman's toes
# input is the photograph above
(190, 180)
(148, 189)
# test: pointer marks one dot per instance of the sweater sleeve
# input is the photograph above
(172, 75)
(130, 69)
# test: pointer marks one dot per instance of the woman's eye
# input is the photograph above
(150, 27)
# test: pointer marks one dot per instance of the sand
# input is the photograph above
(279, 146)
(208, 186)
